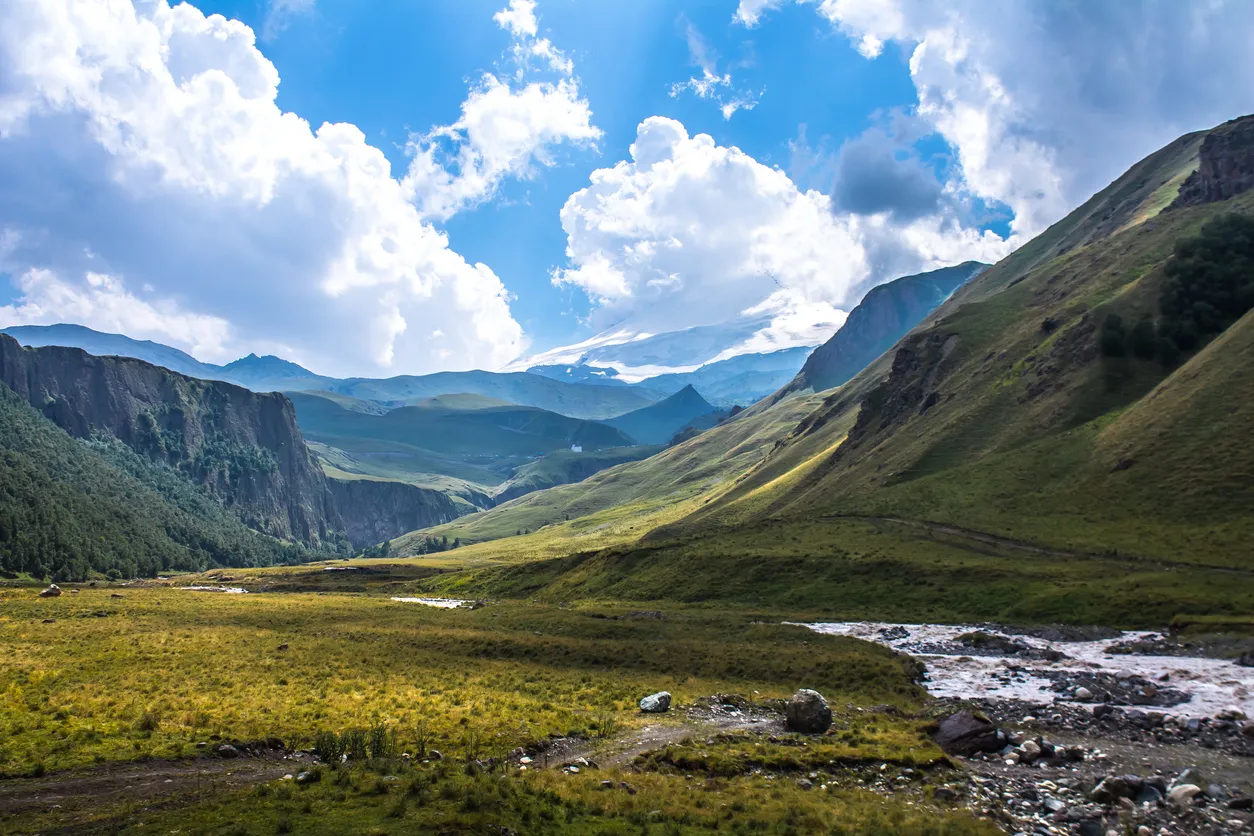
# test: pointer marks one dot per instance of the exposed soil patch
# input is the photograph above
(124, 787)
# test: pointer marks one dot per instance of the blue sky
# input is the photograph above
(627, 57)
(213, 176)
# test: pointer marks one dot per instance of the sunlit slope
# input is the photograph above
(639, 495)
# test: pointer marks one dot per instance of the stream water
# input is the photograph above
(1209, 686)
(443, 603)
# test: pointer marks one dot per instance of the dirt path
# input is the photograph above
(1024, 546)
(119, 788)
(673, 727)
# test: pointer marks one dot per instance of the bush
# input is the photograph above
(1113, 338)
(1210, 282)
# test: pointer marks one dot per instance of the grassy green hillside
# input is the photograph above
(565, 467)
(624, 502)
(1003, 460)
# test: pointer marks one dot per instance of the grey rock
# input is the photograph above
(805, 783)
(226, 750)
(309, 777)
(1184, 794)
(658, 703)
(1216, 791)
(1148, 794)
(1091, 827)
(1083, 694)
(964, 733)
(51, 592)
(1243, 802)
(1053, 805)
(808, 712)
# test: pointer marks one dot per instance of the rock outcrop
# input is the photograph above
(1225, 165)
(243, 446)
(372, 511)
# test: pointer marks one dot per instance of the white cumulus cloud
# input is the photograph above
(689, 233)
(149, 183)
(507, 125)
(1045, 103)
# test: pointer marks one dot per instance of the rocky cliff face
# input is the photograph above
(1225, 165)
(883, 317)
(245, 447)
(376, 511)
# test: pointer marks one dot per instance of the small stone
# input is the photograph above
(658, 703)
(805, 783)
(607, 785)
(309, 777)
(1083, 694)
(1243, 802)
(1124, 675)
(1053, 805)
(1231, 713)
(226, 750)
(51, 592)
(1144, 831)
(573, 770)
(1148, 794)
(1216, 791)
(524, 760)
(435, 755)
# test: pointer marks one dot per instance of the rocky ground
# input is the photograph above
(1065, 769)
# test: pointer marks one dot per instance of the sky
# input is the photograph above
(406, 186)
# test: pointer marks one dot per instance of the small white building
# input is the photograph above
(575, 448)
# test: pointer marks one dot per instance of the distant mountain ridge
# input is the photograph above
(884, 316)
(274, 374)
(656, 424)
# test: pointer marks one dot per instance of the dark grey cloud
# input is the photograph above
(875, 173)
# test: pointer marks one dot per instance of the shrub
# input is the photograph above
(1210, 281)
(1113, 338)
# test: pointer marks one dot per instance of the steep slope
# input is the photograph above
(656, 424)
(374, 511)
(1028, 452)
(244, 447)
(884, 316)
(71, 508)
(1001, 413)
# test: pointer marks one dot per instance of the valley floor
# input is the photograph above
(118, 697)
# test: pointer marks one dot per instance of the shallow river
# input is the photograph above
(1212, 685)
